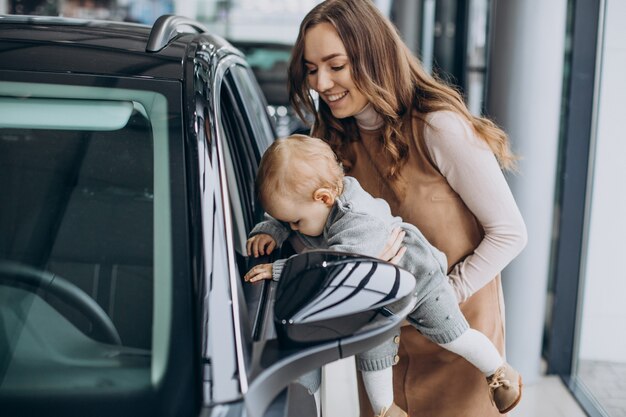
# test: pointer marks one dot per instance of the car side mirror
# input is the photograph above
(327, 306)
(325, 295)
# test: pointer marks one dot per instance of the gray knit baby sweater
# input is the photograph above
(360, 223)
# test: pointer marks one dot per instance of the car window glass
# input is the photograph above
(244, 144)
(250, 96)
(85, 251)
(240, 170)
(241, 163)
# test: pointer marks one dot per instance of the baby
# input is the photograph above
(303, 188)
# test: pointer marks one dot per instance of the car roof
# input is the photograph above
(56, 44)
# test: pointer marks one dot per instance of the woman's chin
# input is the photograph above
(339, 114)
(343, 112)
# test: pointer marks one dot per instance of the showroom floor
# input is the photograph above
(547, 397)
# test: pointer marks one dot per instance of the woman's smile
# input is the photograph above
(334, 97)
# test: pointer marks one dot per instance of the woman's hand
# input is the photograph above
(261, 244)
(259, 272)
(393, 250)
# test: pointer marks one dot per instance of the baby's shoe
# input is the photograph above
(393, 411)
(505, 388)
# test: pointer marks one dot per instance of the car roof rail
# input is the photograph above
(167, 28)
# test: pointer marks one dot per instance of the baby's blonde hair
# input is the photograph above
(298, 164)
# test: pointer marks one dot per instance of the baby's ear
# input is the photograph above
(325, 195)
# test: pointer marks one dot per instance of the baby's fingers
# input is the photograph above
(270, 247)
(257, 247)
(252, 246)
(258, 273)
(249, 246)
(265, 245)
(258, 276)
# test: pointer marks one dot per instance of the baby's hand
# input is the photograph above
(261, 244)
(259, 272)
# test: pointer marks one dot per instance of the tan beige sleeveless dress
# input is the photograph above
(428, 380)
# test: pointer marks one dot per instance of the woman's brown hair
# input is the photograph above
(389, 75)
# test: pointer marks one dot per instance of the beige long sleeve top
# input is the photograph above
(473, 172)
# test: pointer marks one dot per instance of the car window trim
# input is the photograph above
(218, 78)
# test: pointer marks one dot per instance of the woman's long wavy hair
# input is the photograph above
(391, 78)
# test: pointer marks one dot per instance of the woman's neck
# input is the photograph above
(369, 118)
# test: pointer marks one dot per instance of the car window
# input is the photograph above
(240, 170)
(270, 63)
(85, 246)
(248, 133)
(252, 100)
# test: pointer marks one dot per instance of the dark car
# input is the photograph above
(127, 163)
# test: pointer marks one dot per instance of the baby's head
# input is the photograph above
(298, 180)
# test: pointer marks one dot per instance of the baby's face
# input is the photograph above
(305, 215)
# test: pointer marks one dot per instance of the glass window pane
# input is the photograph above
(601, 361)
(84, 251)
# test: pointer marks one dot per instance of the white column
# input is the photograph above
(524, 97)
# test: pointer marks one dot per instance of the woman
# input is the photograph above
(409, 138)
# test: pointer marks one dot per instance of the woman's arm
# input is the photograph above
(473, 172)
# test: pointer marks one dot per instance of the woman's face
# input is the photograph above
(329, 72)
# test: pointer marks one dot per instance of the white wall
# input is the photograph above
(603, 329)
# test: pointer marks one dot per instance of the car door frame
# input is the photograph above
(206, 67)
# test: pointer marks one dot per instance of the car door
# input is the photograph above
(232, 130)
(231, 118)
